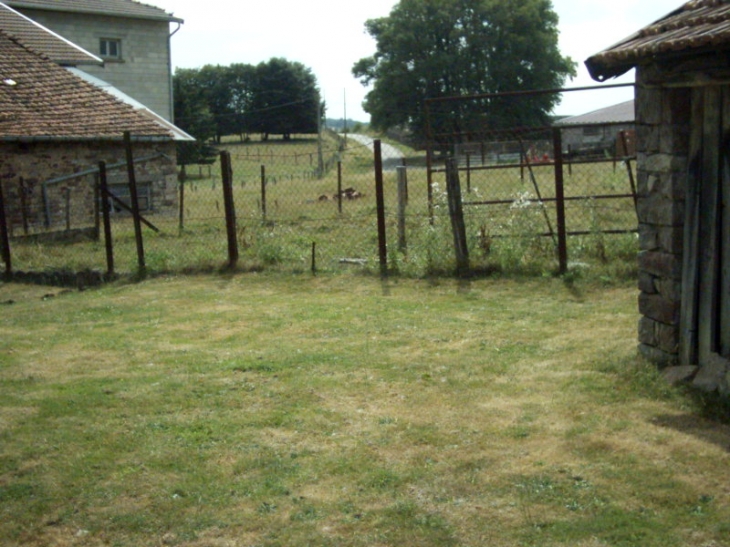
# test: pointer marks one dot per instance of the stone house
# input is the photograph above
(132, 39)
(54, 127)
(682, 95)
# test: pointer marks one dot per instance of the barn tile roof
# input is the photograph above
(41, 39)
(698, 24)
(40, 100)
(117, 8)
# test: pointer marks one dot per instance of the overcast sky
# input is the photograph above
(328, 36)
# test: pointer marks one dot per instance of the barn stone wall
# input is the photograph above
(663, 137)
(26, 167)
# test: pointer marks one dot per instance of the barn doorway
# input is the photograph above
(705, 315)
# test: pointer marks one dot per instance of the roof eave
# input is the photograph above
(28, 139)
(167, 17)
(601, 71)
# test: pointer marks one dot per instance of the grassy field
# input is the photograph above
(278, 410)
(278, 232)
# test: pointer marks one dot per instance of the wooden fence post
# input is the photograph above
(380, 200)
(468, 173)
(135, 203)
(105, 204)
(560, 201)
(263, 192)
(181, 212)
(23, 204)
(339, 187)
(402, 202)
(4, 238)
(229, 207)
(429, 183)
(456, 212)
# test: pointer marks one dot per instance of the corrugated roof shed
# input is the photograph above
(43, 40)
(40, 100)
(698, 24)
(618, 113)
(118, 8)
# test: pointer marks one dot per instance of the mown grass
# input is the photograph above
(272, 410)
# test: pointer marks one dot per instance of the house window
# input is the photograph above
(592, 131)
(110, 48)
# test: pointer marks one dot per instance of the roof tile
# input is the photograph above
(39, 99)
(696, 24)
(119, 8)
(40, 39)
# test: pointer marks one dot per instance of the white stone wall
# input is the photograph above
(143, 72)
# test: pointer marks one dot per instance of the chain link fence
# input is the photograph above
(527, 203)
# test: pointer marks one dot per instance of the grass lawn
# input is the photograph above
(279, 410)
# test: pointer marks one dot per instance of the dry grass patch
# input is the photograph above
(260, 410)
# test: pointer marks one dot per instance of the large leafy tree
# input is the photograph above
(276, 97)
(447, 48)
(286, 99)
(193, 115)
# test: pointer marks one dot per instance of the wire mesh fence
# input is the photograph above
(311, 204)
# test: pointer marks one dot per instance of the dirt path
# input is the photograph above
(392, 157)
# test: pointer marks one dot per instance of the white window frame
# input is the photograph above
(107, 44)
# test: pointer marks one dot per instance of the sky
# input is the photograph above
(328, 36)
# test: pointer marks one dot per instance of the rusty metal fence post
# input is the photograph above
(380, 201)
(560, 201)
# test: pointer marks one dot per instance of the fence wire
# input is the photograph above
(310, 204)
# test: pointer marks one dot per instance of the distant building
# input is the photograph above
(132, 40)
(598, 132)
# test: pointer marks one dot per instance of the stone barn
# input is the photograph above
(682, 64)
(54, 126)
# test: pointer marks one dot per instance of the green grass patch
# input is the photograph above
(342, 410)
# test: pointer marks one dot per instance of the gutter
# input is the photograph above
(169, 70)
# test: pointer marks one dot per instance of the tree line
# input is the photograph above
(276, 97)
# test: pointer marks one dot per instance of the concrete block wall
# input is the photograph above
(143, 72)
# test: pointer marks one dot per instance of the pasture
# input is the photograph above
(270, 409)
(279, 223)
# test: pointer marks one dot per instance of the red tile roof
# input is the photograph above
(696, 24)
(40, 100)
(41, 39)
(117, 8)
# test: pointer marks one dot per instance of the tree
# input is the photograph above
(445, 48)
(286, 99)
(193, 116)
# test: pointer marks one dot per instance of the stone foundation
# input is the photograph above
(32, 204)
